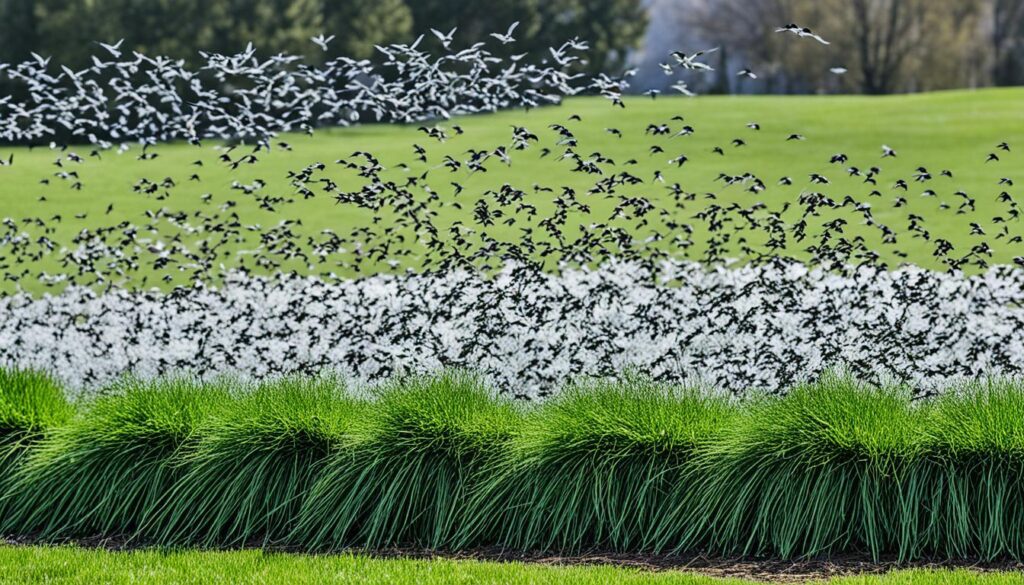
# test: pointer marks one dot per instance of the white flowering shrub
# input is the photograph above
(741, 329)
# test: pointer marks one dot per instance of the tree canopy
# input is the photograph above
(68, 29)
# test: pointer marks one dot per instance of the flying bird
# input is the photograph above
(322, 41)
(507, 37)
(446, 39)
(114, 49)
(802, 32)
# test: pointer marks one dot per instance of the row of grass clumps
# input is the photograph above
(834, 467)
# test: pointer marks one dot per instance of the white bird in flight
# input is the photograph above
(801, 31)
(114, 49)
(322, 41)
(507, 37)
(446, 39)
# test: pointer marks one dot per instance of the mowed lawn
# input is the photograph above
(953, 131)
(68, 565)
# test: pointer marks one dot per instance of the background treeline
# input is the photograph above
(888, 46)
(67, 29)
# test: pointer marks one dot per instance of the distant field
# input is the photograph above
(66, 565)
(954, 131)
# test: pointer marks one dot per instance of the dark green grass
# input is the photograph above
(965, 496)
(817, 472)
(247, 474)
(832, 468)
(107, 469)
(602, 465)
(408, 476)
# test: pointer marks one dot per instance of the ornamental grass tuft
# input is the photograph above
(106, 471)
(601, 465)
(816, 472)
(412, 466)
(963, 498)
(32, 404)
(248, 473)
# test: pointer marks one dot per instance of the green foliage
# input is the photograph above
(105, 471)
(813, 473)
(612, 27)
(960, 499)
(407, 478)
(65, 29)
(31, 404)
(68, 29)
(834, 467)
(602, 465)
(358, 25)
(271, 25)
(161, 27)
(252, 465)
(18, 29)
(477, 20)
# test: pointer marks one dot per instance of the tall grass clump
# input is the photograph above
(31, 405)
(815, 472)
(250, 470)
(965, 497)
(603, 464)
(105, 471)
(412, 465)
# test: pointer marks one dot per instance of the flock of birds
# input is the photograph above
(126, 97)
(743, 330)
(416, 220)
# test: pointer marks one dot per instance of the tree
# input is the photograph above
(902, 45)
(271, 25)
(176, 28)
(886, 45)
(748, 30)
(613, 28)
(358, 25)
(66, 30)
(19, 30)
(951, 52)
(884, 33)
(477, 20)
(1007, 41)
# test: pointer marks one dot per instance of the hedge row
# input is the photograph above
(440, 462)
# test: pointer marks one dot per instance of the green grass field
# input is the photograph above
(69, 565)
(954, 131)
